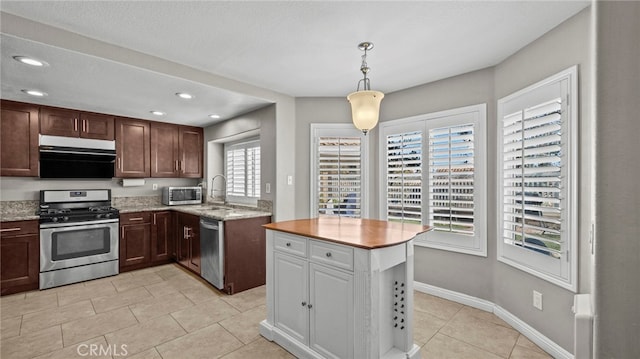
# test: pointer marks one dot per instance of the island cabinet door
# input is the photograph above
(331, 312)
(291, 291)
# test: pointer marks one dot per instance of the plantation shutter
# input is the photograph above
(404, 177)
(339, 174)
(533, 164)
(243, 169)
(451, 179)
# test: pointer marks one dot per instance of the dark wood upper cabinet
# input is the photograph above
(191, 148)
(133, 148)
(165, 150)
(176, 151)
(59, 122)
(70, 123)
(19, 139)
(97, 126)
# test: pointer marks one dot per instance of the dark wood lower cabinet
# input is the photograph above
(244, 254)
(162, 237)
(19, 256)
(135, 241)
(188, 241)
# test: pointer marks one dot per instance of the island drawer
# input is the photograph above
(332, 254)
(135, 218)
(290, 244)
(17, 228)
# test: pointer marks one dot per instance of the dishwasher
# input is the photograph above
(212, 251)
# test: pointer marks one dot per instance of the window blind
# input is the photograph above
(533, 160)
(339, 176)
(451, 179)
(243, 169)
(404, 177)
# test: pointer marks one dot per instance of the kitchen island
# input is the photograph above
(341, 287)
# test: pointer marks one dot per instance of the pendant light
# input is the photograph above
(365, 104)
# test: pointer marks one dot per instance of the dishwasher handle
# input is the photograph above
(209, 224)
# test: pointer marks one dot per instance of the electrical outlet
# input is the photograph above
(537, 300)
(289, 180)
(154, 186)
(267, 188)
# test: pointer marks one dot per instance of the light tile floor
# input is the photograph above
(166, 312)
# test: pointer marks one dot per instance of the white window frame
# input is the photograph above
(560, 271)
(338, 130)
(476, 114)
(246, 143)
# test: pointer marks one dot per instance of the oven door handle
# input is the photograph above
(78, 224)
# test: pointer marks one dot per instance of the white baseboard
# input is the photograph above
(528, 331)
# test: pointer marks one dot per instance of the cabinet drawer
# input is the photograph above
(16, 228)
(135, 218)
(290, 244)
(332, 254)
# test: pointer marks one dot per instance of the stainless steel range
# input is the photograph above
(78, 236)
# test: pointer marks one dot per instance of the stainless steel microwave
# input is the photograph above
(172, 196)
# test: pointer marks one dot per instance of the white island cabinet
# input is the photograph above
(341, 288)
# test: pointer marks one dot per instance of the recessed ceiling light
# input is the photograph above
(214, 116)
(30, 61)
(158, 113)
(36, 93)
(184, 95)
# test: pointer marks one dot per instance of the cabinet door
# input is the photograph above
(59, 122)
(134, 244)
(162, 248)
(191, 151)
(19, 263)
(194, 243)
(291, 289)
(331, 323)
(19, 128)
(132, 148)
(164, 150)
(96, 126)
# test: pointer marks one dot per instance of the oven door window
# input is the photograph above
(80, 243)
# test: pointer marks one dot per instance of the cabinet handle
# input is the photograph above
(175, 166)
(328, 254)
(309, 306)
(304, 304)
(136, 219)
(154, 219)
(84, 125)
(122, 232)
(288, 244)
(10, 229)
(75, 124)
(118, 164)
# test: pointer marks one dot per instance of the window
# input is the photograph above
(537, 216)
(338, 173)
(242, 162)
(435, 173)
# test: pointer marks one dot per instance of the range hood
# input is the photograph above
(68, 157)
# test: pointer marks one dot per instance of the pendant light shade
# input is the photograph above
(365, 104)
(365, 109)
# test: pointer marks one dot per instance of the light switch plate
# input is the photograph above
(267, 188)
(537, 300)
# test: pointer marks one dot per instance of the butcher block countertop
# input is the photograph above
(355, 232)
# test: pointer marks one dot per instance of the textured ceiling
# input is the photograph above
(298, 48)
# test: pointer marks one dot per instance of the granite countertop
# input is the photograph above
(355, 232)
(213, 211)
(26, 210)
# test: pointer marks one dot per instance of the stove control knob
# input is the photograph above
(65, 218)
(98, 216)
(107, 215)
(54, 219)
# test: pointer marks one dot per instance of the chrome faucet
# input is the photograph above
(224, 188)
